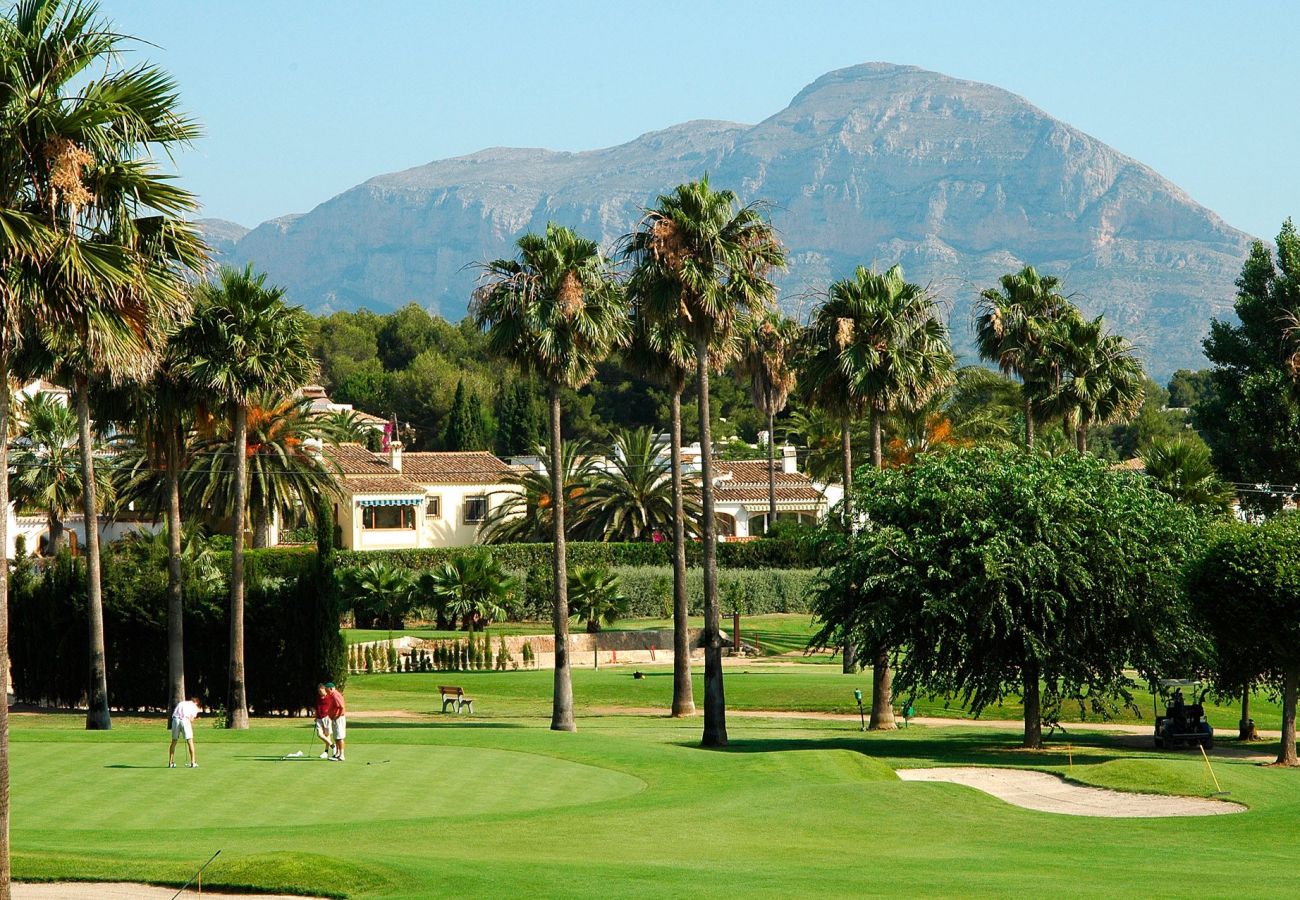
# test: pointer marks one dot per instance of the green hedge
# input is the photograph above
(291, 625)
(760, 554)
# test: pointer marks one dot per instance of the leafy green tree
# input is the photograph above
(1247, 587)
(703, 261)
(555, 311)
(344, 343)
(1013, 325)
(381, 595)
(1188, 388)
(285, 473)
(769, 363)
(242, 342)
(47, 472)
(876, 344)
(997, 572)
(631, 498)
(404, 335)
(1181, 468)
(1251, 416)
(473, 589)
(596, 597)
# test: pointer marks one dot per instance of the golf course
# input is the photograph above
(433, 804)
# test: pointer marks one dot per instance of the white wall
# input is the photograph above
(450, 528)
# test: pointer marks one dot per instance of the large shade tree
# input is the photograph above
(769, 359)
(703, 261)
(1013, 325)
(998, 572)
(243, 341)
(555, 311)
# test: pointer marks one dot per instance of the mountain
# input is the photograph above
(958, 181)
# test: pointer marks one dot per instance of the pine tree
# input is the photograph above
(475, 439)
(460, 427)
(506, 411)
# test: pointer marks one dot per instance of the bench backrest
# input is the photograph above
(459, 692)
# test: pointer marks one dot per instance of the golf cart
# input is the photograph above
(1183, 724)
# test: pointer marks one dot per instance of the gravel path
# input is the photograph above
(118, 890)
(1051, 793)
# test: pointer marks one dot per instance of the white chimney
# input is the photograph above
(789, 459)
(395, 454)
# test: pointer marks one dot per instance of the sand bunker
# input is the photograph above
(1051, 793)
(119, 890)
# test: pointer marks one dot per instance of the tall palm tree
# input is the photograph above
(661, 351)
(703, 261)
(242, 341)
(631, 498)
(769, 361)
(284, 473)
(555, 311)
(47, 465)
(878, 339)
(1102, 381)
(1012, 328)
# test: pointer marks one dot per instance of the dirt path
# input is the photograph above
(118, 890)
(1050, 793)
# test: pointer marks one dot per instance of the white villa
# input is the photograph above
(399, 500)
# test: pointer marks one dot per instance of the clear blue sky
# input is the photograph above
(301, 100)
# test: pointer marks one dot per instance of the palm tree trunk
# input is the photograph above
(175, 598)
(54, 527)
(1033, 709)
(715, 703)
(683, 692)
(882, 694)
(1286, 753)
(4, 630)
(1029, 422)
(848, 653)
(1081, 438)
(237, 703)
(261, 529)
(562, 700)
(771, 471)
(98, 717)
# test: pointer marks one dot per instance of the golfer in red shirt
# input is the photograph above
(324, 729)
(338, 719)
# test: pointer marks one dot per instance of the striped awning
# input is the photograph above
(391, 501)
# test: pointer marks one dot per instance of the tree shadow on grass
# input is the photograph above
(418, 724)
(129, 766)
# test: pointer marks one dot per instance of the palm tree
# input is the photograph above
(878, 342)
(1012, 326)
(381, 594)
(47, 465)
(242, 341)
(661, 351)
(524, 514)
(555, 311)
(347, 426)
(1102, 381)
(1181, 468)
(472, 588)
(631, 498)
(597, 597)
(284, 472)
(703, 262)
(769, 362)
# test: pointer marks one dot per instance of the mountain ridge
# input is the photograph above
(957, 180)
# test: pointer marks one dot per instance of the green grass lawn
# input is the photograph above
(432, 805)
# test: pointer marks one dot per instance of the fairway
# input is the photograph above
(434, 805)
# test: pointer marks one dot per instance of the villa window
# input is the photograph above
(433, 506)
(475, 509)
(387, 517)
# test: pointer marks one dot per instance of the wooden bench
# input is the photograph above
(456, 696)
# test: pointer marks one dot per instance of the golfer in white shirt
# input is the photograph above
(183, 717)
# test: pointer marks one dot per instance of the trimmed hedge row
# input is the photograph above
(291, 624)
(759, 554)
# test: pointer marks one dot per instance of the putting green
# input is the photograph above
(251, 785)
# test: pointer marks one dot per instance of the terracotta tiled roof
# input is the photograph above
(473, 467)
(1131, 465)
(381, 484)
(354, 459)
(788, 494)
(754, 471)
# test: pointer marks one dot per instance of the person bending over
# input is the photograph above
(324, 729)
(338, 719)
(182, 723)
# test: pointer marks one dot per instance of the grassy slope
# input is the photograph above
(628, 806)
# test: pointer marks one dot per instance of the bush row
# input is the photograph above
(291, 630)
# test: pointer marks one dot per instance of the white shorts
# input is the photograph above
(340, 728)
(182, 729)
(323, 728)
